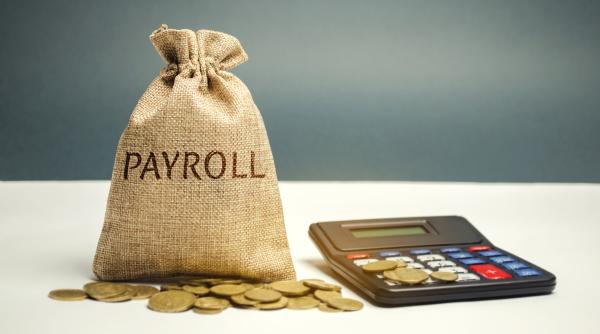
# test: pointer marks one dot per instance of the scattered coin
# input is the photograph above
(172, 301)
(198, 290)
(345, 304)
(320, 285)
(406, 275)
(68, 295)
(104, 290)
(173, 286)
(290, 288)
(211, 303)
(262, 295)
(379, 266)
(281, 303)
(302, 303)
(326, 308)
(144, 291)
(206, 311)
(243, 301)
(444, 276)
(324, 295)
(227, 289)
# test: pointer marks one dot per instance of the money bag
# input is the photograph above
(194, 189)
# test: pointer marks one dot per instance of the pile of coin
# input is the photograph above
(398, 272)
(209, 295)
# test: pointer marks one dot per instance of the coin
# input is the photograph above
(345, 304)
(324, 295)
(144, 291)
(211, 303)
(320, 285)
(243, 301)
(290, 288)
(198, 290)
(206, 311)
(281, 303)
(302, 303)
(406, 275)
(379, 266)
(229, 281)
(400, 263)
(170, 286)
(67, 295)
(104, 290)
(444, 276)
(262, 295)
(326, 308)
(172, 301)
(227, 289)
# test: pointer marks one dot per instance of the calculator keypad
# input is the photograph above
(474, 263)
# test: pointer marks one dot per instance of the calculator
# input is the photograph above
(443, 243)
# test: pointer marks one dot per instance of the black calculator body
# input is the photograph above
(445, 243)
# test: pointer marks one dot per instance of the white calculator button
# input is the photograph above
(428, 271)
(429, 281)
(390, 283)
(438, 264)
(406, 259)
(458, 270)
(430, 257)
(362, 262)
(467, 277)
(415, 265)
(379, 276)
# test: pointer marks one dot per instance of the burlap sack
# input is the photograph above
(194, 189)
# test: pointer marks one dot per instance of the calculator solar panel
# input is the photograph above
(445, 243)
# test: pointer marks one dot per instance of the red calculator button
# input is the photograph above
(478, 248)
(357, 256)
(490, 271)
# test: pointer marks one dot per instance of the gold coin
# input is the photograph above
(444, 276)
(212, 303)
(320, 285)
(229, 281)
(324, 295)
(104, 290)
(406, 275)
(170, 286)
(198, 290)
(263, 295)
(144, 291)
(67, 295)
(247, 286)
(227, 289)
(345, 304)
(129, 293)
(172, 301)
(326, 308)
(290, 288)
(281, 303)
(206, 311)
(243, 301)
(302, 303)
(399, 263)
(379, 266)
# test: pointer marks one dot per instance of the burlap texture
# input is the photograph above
(194, 188)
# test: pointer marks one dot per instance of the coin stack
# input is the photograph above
(208, 295)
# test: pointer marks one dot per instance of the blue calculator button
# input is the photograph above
(420, 251)
(515, 265)
(473, 260)
(490, 253)
(527, 272)
(450, 250)
(389, 253)
(460, 255)
(502, 259)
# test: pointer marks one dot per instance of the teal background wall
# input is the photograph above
(350, 90)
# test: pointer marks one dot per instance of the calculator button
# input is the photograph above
(420, 251)
(428, 271)
(390, 283)
(357, 256)
(461, 255)
(400, 258)
(515, 265)
(457, 270)
(438, 264)
(501, 259)
(430, 257)
(527, 272)
(362, 262)
(490, 253)
(415, 265)
(490, 271)
(478, 248)
(389, 253)
(467, 277)
(450, 250)
(473, 260)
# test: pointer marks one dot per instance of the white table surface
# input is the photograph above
(49, 230)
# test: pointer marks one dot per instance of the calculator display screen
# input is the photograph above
(388, 231)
